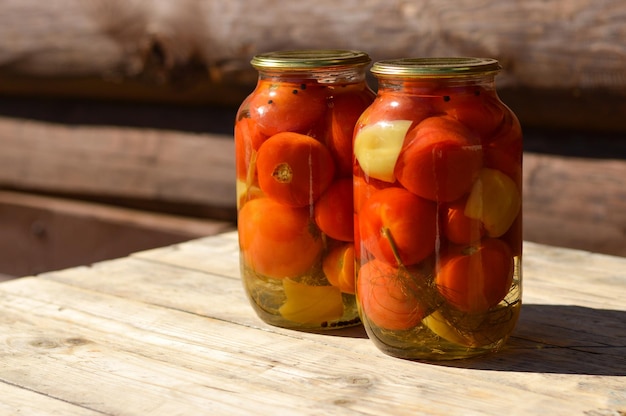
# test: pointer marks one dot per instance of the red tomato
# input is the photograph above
(334, 211)
(243, 156)
(286, 106)
(508, 134)
(503, 151)
(395, 106)
(459, 228)
(389, 297)
(440, 160)
(475, 107)
(294, 169)
(248, 139)
(338, 266)
(276, 240)
(248, 130)
(475, 278)
(345, 109)
(365, 188)
(421, 87)
(514, 236)
(397, 226)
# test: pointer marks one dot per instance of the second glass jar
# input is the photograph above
(437, 198)
(293, 143)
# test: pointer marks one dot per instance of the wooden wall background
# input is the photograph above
(199, 50)
(130, 102)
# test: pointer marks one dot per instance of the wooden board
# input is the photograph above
(42, 233)
(564, 60)
(575, 202)
(147, 164)
(169, 332)
(563, 43)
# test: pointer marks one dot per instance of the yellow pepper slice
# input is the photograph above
(377, 146)
(307, 304)
(246, 192)
(494, 200)
(441, 327)
(474, 330)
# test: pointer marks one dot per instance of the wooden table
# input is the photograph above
(169, 332)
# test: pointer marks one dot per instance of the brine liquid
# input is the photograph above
(447, 334)
(314, 304)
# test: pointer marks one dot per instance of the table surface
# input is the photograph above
(169, 332)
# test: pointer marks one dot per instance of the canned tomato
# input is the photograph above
(293, 141)
(438, 209)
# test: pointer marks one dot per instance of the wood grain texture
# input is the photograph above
(37, 404)
(42, 233)
(583, 199)
(564, 44)
(169, 332)
(142, 163)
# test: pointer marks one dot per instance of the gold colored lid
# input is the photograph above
(307, 59)
(435, 67)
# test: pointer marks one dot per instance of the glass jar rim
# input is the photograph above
(436, 67)
(307, 59)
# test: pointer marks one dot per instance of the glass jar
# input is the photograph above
(438, 210)
(293, 142)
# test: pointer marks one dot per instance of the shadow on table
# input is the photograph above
(561, 339)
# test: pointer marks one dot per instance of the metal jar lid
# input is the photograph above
(444, 67)
(307, 59)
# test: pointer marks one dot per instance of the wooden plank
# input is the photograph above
(110, 323)
(41, 233)
(103, 375)
(36, 404)
(4, 277)
(563, 43)
(564, 61)
(576, 202)
(200, 254)
(183, 227)
(157, 165)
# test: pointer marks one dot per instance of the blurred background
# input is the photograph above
(116, 116)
